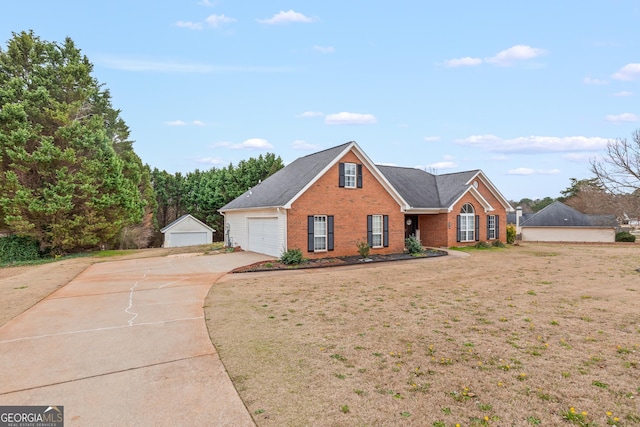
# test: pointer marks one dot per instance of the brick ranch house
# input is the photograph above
(327, 202)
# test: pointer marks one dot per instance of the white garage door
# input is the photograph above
(263, 236)
(188, 239)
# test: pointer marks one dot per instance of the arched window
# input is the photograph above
(467, 226)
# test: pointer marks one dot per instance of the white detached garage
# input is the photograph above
(187, 231)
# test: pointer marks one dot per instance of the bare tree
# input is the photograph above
(619, 170)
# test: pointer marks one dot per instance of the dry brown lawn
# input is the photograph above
(535, 334)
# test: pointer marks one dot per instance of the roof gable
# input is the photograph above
(288, 184)
(182, 218)
(423, 190)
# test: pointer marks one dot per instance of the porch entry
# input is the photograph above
(410, 225)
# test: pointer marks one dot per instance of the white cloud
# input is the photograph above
(210, 161)
(345, 118)
(252, 144)
(628, 72)
(534, 144)
(431, 138)
(217, 20)
(190, 25)
(515, 53)
(176, 123)
(529, 171)
(198, 122)
(324, 49)
(307, 114)
(623, 93)
(467, 61)
(301, 145)
(441, 165)
(136, 64)
(283, 17)
(624, 117)
(592, 81)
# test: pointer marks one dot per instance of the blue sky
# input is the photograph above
(526, 91)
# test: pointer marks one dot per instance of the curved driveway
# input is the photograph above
(125, 343)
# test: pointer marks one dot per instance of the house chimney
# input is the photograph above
(518, 217)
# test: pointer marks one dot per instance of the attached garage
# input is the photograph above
(257, 230)
(187, 231)
(261, 234)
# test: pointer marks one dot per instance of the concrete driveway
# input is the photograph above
(125, 344)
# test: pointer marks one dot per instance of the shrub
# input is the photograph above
(511, 234)
(292, 257)
(17, 248)
(413, 245)
(482, 245)
(363, 249)
(497, 244)
(625, 236)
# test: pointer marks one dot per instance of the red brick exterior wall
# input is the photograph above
(350, 207)
(441, 230)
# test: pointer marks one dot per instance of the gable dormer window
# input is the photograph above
(350, 175)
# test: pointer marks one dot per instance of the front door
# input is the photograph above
(410, 225)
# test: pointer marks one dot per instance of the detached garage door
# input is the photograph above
(263, 236)
(188, 239)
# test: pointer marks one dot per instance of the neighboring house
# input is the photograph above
(187, 231)
(558, 222)
(327, 202)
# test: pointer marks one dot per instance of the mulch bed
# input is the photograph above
(275, 265)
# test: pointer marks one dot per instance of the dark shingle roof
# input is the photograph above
(282, 186)
(424, 190)
(452, 185)
(557, 214)
(417, 187)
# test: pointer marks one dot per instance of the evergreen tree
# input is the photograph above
(68, 173)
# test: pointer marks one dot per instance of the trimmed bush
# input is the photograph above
(625, 236)
(497, 244)
(413, 245)
(363, 249)
(292, 257)
(17, 248)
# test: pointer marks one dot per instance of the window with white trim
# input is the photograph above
(491, 227)
(376, 229)
(350, 174)
(467, 223)
(319, 233)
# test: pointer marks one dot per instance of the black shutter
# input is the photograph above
(310, 224)
(385, 231)
(341, 174)
(370, 230)
(359, 180)
(488, 227)
(497, 227)
(477, 228)
(330, 232)
(458, 236)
